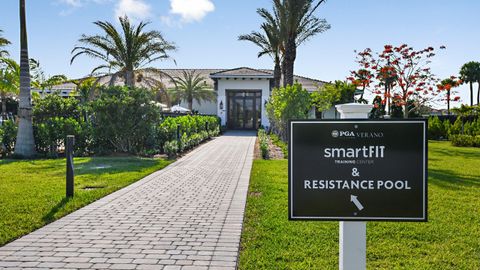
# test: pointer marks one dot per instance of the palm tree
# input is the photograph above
(298, 24)
(25, 144)
(124, 50)
(270, 43)
(3, 42)
(192, 86)
(9, 81)
(470, 73)
(447, 85)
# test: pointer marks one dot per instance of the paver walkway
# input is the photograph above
(186, 216)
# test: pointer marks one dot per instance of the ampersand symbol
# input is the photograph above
(355, 172)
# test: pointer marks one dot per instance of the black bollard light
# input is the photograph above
(69, 155)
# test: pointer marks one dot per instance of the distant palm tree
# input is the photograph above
(298, 24)
(25, 144)
(270, 43)
(470, 73)
(124, 50)
(3, 42)
(192, 86)
(9, 81)
(447, 85)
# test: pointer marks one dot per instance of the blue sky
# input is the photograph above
(206, 32)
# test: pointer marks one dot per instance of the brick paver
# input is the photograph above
(186, 216)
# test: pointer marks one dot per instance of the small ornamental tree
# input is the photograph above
(401, 72)
(331, 94)
(446, 86)
(290, 102)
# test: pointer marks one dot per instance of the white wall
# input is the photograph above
(242, 84)
(205, 107)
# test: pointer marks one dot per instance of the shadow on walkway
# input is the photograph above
(240, 133)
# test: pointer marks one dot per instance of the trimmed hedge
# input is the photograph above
(194, 129)
(465, 140)
(438, 130)
(120, 120)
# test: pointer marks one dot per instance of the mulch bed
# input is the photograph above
(274, 152)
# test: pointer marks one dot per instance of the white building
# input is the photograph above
(242, 92)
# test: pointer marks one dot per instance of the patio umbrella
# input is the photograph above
(178, 108)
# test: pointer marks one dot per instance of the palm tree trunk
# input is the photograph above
(478, 93)
(277, 73)
(448, 102)
(190, 104)
(4, 103)
(471, 94)
(289, 62)
(25, 144)
(129, 78)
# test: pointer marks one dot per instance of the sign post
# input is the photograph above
(70, 172)
(353, 235)
(355, 170)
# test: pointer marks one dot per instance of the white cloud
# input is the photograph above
(135, 9)
(72, 3)
(191, 10)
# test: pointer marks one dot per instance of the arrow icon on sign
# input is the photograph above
(355, 201)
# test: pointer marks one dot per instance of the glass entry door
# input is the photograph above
(244, 109)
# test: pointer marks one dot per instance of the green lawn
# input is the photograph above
(450, 239)
(32, 193)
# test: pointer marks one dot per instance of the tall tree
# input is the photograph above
(407, 73)
(192, 86)
(470, 73)
(298, 24)
(25, 144)
(270, 43)
(124, 50)
(3, 42)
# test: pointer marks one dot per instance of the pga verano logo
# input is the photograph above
(351, 134)
(342, 133)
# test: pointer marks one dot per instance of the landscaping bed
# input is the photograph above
(449, 240)
(33, 191)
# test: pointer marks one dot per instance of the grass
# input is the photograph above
(32, 193)
(450, 239)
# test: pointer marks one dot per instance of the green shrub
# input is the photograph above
(171, 148)
(51, 134)
(8, 136)
(123, 120)
(190, 125)
(465, 140)
(472, 128)
(54, 118)
(456, 128)
(291, 102)
(436, 129)
(263, 141)
(56, 106)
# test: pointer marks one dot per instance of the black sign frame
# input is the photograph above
(423, 218)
